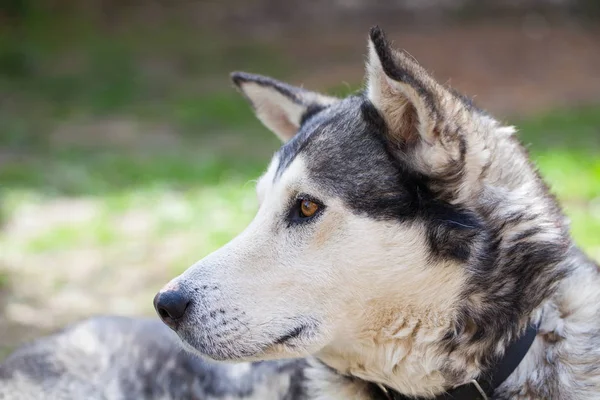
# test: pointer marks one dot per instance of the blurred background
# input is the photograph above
(126, 155)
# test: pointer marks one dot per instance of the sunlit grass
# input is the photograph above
(565, 145)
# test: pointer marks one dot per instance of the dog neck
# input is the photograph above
(483, 387)
(406, 369)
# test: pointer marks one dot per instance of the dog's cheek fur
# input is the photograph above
(403, 305)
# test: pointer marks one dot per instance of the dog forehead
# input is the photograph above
(293, 177)
(342, 152)
(344, 135)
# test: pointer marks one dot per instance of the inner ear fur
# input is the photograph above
(410, 100)
(280, 107)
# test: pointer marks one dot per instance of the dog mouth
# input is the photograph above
(291, 334)
(293, 339)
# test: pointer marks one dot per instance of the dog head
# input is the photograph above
(381, 224)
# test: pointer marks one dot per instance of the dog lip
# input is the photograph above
(294, 333)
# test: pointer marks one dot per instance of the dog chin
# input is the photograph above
(293, 343)
(218, 352)
(229, 353)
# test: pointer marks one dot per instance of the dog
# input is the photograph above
(404, 247)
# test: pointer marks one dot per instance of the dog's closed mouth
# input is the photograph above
(294, 333)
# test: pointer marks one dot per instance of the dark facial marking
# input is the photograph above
(311, 110)
(349, 156)
(294, 333)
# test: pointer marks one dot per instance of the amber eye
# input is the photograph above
(308, 208)
(304, 210)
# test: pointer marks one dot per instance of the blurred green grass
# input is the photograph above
(565, 144)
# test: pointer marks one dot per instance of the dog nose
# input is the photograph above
(171, 305)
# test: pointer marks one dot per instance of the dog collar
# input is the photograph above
(484, 387)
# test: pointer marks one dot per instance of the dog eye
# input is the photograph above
(308, 208)
(304, 209)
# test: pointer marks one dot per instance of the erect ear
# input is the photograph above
(279, 106)
(429, 126)
(409, 99)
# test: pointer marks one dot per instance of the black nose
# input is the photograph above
(171, 305)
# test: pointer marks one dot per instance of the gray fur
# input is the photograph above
(118, 358)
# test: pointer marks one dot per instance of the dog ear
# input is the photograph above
(279, 106)
(407, 97)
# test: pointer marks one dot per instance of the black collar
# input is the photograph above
(483, 388)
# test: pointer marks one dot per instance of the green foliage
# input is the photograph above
(565, 145)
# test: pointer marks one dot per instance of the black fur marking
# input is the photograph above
(511, 275)
(311, 110)
(287, 154)
(289, 91)
(294, 333)
(526, 234)
(348, 155)
(452, 231)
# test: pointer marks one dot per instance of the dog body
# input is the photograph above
(403, 239)
(121, 358)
